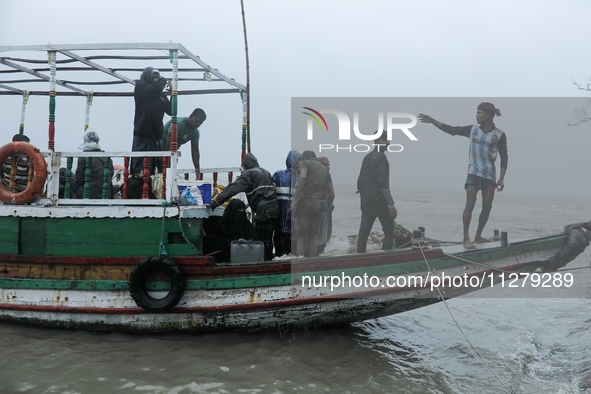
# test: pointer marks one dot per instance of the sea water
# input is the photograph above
(534, 345)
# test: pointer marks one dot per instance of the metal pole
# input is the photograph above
(247, 79)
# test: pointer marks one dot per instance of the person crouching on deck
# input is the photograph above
(234, 226)
(258, 185)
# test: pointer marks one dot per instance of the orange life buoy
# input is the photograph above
(40, 172)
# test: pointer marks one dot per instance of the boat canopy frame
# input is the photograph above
(76, 62)
(46, 71)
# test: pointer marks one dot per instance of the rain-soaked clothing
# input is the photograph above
(284, 191)
(151, 103)
(373, 177)
(258, 185)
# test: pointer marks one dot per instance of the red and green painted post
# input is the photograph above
(52, 70)
(174, 59)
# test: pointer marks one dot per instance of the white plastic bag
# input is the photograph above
(191, 196)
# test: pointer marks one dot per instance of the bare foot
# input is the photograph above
(469, 245)
(481, 240)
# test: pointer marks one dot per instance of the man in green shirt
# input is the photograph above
(187, 130)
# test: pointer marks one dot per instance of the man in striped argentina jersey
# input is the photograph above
(486, 140)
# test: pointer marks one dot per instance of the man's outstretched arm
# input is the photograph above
(453, 130)
(427, 119)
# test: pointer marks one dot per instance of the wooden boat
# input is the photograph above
(136, 266)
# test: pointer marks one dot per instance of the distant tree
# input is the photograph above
(582, 114)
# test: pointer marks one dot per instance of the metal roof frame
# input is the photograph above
(91, 63)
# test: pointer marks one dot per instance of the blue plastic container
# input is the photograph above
(205, 190)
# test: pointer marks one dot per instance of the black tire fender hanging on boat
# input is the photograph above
(137, 284)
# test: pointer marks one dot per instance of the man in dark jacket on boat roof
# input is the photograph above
(486, 140)
(151, 103)
(373, 185)
(258, 185)
(187, 130)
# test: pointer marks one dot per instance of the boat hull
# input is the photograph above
(93, 293)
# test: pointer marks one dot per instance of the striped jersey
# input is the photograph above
(484, 148)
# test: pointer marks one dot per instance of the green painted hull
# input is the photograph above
(95, 237)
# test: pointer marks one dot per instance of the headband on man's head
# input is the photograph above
(489, 107)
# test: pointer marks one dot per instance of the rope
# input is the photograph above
(403, 245)
(161, 248)
(563, 270)
(502, 270)
(573, 269)
(186, 239)
(443, 242)
(474, 262)
(460, 328)
(430, 240)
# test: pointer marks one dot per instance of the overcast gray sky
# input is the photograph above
(339, 49)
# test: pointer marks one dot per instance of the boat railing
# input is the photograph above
(171, 178)
(54, 161)
(217, 174)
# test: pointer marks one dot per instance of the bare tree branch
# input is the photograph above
(581, 114)
(586, 88)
